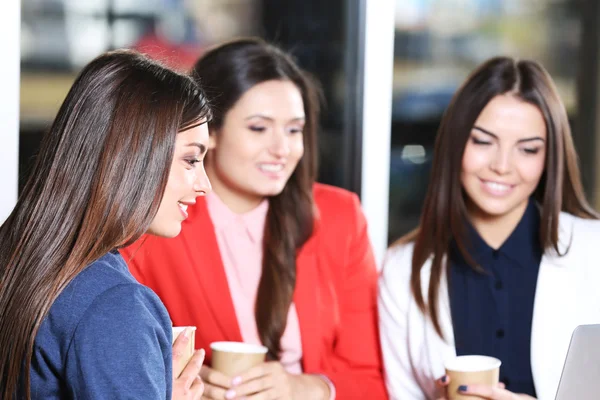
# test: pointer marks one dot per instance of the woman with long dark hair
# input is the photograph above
(122, 158)
(275, 258)
(503, 261)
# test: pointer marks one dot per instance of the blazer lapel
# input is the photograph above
(211, 274)
(307, 301)
(555, 316)
(437, 349)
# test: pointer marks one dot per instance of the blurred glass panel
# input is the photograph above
(60, 36)
(437, 43)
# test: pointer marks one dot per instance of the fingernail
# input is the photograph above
(202, 354)
(230, 394)
(462, 388)
(186, 332)
(444, 378)
(236, 381)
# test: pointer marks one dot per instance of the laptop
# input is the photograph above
(580, 379)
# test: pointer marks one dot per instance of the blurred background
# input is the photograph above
(436, 43)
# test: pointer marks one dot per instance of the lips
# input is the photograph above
(183, 206)
(497, 188)
(271, 167)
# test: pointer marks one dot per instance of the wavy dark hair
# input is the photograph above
(444, 210)
(226, 72)
(96, 185)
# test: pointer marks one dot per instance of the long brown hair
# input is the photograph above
(444, 212)
(226, 73)
(96, 185)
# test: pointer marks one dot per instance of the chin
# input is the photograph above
(496, 210)
(166, 232)
(273, 190)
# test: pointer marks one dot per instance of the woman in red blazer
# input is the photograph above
(316, 282)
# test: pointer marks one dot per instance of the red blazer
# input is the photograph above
(335, 295)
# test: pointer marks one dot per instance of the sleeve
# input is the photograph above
(357, 368)
(394, 296)
(121, 348)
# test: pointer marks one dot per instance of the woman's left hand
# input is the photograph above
(493, 393)
(269, 381)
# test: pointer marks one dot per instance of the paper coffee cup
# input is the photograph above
(234, 358)
(189, 350)
(471, 370)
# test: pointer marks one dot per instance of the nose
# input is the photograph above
(502, 161)
(202, 184)
(280, 145)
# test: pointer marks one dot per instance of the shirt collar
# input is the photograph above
(522, 246)
(223, 217)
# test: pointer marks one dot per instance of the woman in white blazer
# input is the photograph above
(505, 259)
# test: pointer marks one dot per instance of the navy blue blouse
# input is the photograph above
(492, 311)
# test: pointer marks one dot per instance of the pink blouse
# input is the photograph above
(240, 242)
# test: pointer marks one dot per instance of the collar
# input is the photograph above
(223, 217)
(522, 246)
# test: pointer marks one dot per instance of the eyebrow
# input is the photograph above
(302, 118)
(496, 136)
(198, 145)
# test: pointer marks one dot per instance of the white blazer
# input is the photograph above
(566, 296)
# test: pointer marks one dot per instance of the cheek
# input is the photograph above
(531, 170)
(473, 160)
(232, 152)
(180, 180)
(297, 149)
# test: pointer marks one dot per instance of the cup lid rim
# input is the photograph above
(486, 363)
(238, 347)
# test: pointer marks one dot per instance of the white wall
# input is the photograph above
(10, 33)
(377, 119)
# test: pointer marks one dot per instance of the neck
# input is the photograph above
(239, 203)
(493, 229)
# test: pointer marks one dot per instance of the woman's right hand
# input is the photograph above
(217, 384)
(481, 391)
(187, 384)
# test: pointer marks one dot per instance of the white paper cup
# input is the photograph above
(471, 370)
(189, 350)
(234, 358)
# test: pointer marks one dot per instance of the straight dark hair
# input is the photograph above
(444, 211)
(226, 72)
(96, 185)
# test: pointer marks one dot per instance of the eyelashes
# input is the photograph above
(526, 150)
(480, 142)
(260, 129)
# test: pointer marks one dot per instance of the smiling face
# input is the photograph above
(259, 145)
(187, 180)
(504, 158)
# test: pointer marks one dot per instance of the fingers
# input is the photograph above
(270, 394)
(197, 388)
(260, 371)
(179, 346)
(443, 382)
(217, 378)
(192, 369)
(212, 392)
(180, 352)
(258, 385)
(487, 392)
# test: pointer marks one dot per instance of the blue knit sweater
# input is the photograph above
(106, 337)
